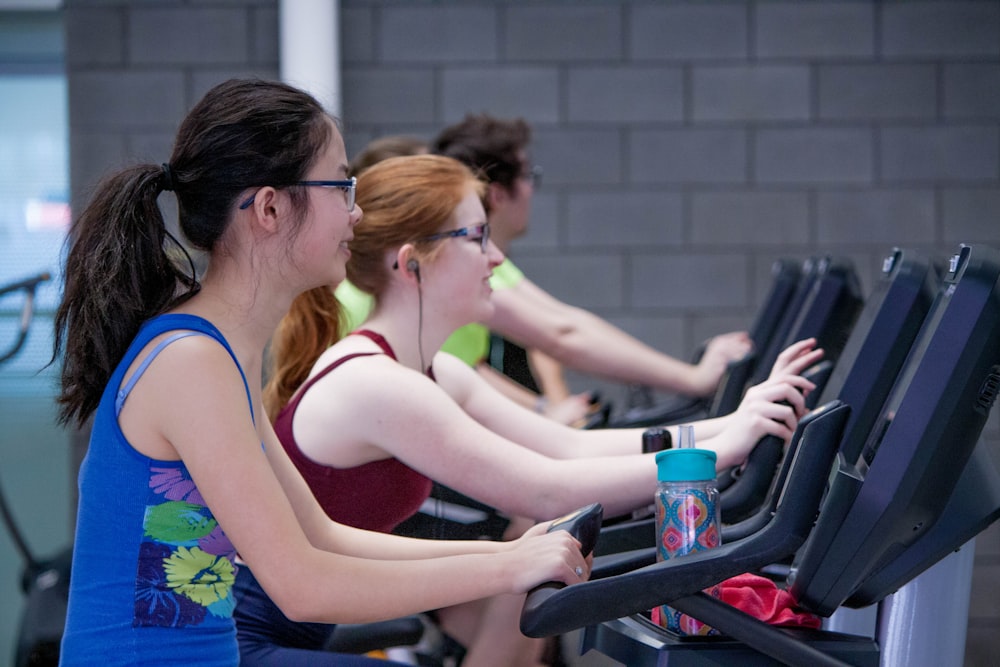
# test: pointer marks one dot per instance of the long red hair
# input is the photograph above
(403, 199)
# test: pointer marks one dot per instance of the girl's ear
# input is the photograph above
(269, 205)
(406, 262)
(496, 194)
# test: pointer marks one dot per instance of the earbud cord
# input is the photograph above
(438, 512)
(420, 327)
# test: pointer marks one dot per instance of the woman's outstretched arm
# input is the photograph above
(328, 576)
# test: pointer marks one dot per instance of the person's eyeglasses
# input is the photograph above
(349, 186)
(479, 233)
(533, 174)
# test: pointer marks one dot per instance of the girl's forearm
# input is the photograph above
(383, 546)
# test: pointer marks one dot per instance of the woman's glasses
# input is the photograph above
(479, 233)
(349, 186)
(532, 174)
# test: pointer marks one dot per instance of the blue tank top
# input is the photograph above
(152, 574)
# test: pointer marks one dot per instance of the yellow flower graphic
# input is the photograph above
(199, 576)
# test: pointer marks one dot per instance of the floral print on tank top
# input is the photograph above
(186, 567)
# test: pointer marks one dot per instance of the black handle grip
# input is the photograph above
(733, 385)
(741, 498)
(584, 524)
(598, 417)
(749, 489)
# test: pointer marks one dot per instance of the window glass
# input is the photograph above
(34, 177)
(34, 197)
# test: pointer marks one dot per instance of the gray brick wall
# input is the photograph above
(696, 31)
(876, 92)
(749, 93)
(685, 145)
(686, 156)
(815, 31)
(941, 30)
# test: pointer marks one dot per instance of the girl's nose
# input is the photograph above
(494, 254)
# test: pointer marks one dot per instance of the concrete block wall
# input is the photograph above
(684, 136)
(686, 145)
(135, 68)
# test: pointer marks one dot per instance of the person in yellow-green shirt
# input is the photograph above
(497, 149)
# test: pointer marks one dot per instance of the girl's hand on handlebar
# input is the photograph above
(772, 407)
(718, 353)
(542, 557)
(570, 410)
(796, 358)
(780, 399)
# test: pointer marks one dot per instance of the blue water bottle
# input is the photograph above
(687, 518)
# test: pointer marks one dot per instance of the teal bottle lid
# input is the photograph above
(685, 465)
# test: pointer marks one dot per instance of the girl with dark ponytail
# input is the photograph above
(184, 471)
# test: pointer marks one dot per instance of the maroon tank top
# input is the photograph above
(375, 496)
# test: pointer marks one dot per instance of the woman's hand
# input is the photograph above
(796, 358)
(540, 557)
(570, 410)
(772, 407)
(718, 353)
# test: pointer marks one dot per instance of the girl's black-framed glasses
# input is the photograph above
(479, 233)
(349, 186)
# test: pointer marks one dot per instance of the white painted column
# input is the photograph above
(309, 49)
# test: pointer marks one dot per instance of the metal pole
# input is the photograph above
(924, 622)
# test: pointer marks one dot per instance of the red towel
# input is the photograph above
(761, 598)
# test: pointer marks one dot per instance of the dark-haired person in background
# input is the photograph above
(524, 313)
